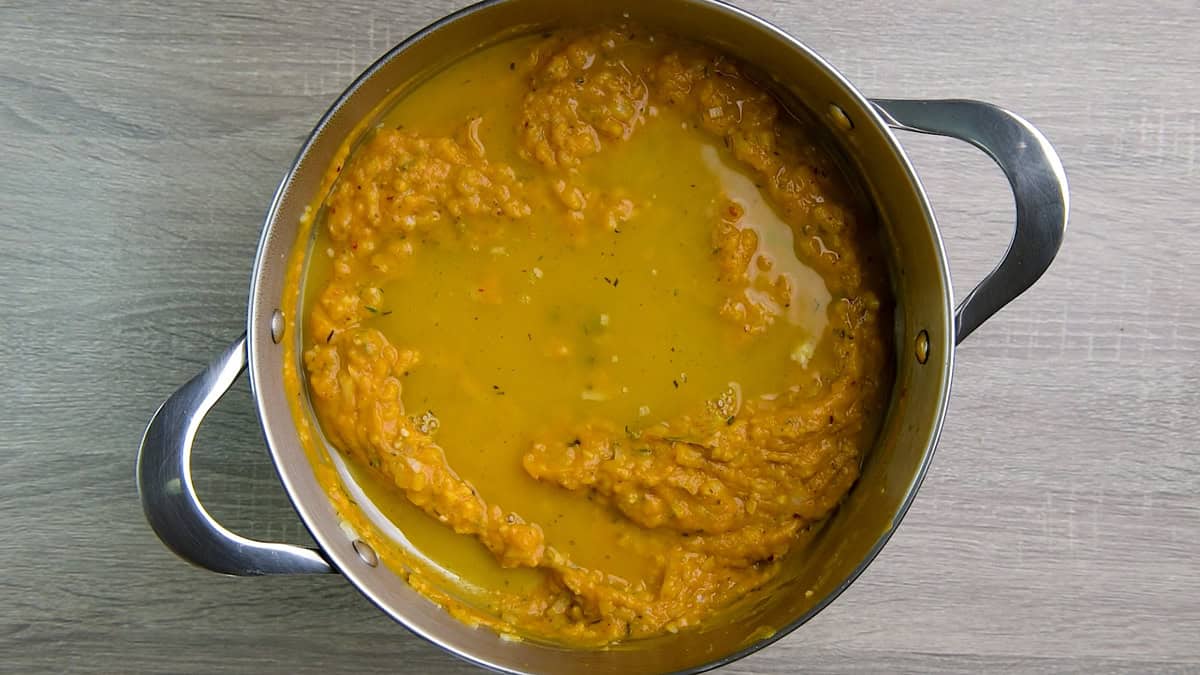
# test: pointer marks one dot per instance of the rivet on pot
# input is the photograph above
(922, 346)
(839, 118)
(277, 326)
(365, 552)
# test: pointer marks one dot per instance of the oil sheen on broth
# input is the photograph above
(597, 329)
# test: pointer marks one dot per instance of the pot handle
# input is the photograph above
(169, 499)
(1038, 182)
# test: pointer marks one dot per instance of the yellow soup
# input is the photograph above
(598, 332)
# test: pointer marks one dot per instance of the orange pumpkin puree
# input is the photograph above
(598, 328)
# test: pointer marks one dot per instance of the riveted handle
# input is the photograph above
(169, 499)
(1038, 182)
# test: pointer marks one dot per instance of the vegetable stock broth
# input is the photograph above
(599, 329)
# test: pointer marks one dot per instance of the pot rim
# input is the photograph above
(277, 424)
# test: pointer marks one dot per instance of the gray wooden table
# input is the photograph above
(1059, 529)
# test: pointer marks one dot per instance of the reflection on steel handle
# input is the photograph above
(165, 483)
(1038, 182)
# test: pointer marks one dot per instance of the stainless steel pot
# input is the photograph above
(928, 328)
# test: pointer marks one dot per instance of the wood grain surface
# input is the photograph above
(1059, 528)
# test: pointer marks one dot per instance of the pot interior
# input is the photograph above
(892, 469)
